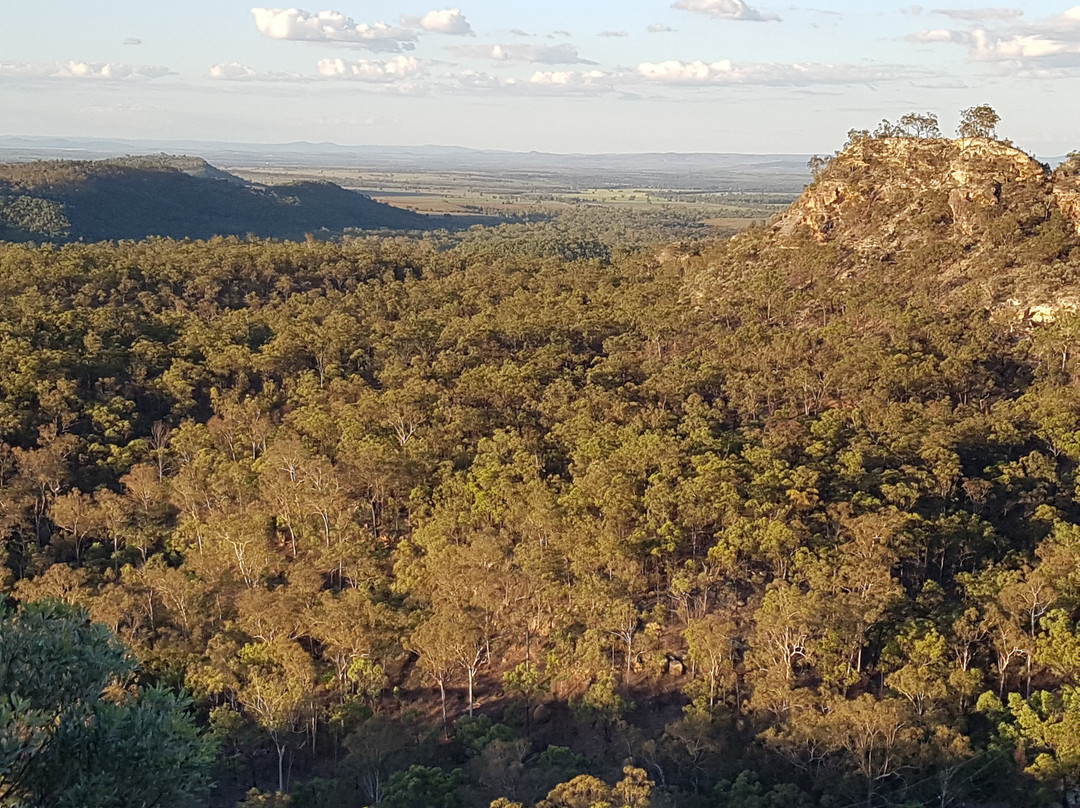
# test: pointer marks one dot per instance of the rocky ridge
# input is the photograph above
(965, 183)
(978, 210)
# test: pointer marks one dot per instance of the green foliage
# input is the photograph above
(28, 217)
(746, 791)
(425, 787)
(601, 701)
(73, 732)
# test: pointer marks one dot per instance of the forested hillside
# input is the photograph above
(787, 520)
(180, 197)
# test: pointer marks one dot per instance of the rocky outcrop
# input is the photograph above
(1068, 200)
(883, 194)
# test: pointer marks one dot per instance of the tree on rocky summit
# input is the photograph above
(980, 121)
(922, 125)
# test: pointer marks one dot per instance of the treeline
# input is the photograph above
(426, 525)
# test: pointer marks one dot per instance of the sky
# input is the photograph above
(589, 76)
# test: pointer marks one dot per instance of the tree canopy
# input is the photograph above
(76, 730)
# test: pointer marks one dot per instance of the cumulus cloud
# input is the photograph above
(565, 77)
(725, 10)
(232, 71)
(577, 80)
(298, 25)
(235, 71)
(447, 21)
(101, 71)
(660, 28)
(594, 81)
(560, 83)
(564, 54)
(979, 14)
(726, 72)
(614, 34)
(476, 80)
(986, 47)
(519, 32)
(541, 83)
(1045, 48)
(375, 71)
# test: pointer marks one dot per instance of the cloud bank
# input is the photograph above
(726, 72)
(725, 10)
(562, 54)
(102, 71)
(979, 14)
(1048, 48)
(373, 71)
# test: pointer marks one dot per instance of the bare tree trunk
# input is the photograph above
(280, 765)
(471, 677)
(442, 697)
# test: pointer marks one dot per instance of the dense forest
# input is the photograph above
(790, 519)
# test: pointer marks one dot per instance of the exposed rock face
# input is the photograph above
(1068, 199)
(972, 218)
(881, 194)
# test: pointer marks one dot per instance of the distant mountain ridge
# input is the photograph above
(179, 197)
(683, 171)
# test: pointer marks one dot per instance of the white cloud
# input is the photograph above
(378, 72)
(563, 54)
(541, 83)
(985, 47)
(235, 71)
(726, 72)
(660, 28)
(940, 35)
(232, 71)
(447, 21)
(675, 73)
(1044, 48)
(725, 10)
(474, 80)
(979, 14)
(567, 78)
(519, 32)
(329, 26)
(614, 34)
(101, 71)
(131, 40)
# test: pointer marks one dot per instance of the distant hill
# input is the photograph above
(180, 197)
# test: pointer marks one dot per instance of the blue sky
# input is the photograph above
(554, 75)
